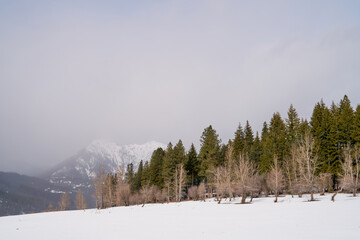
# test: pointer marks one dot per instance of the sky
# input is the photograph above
(135, 71)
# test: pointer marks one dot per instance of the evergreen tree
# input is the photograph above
(209, 151)
(222, 155)
(345, 122)
(277, 137)
(264, 132)
(256, 150)
(192, 166)
(249, 138)
(138, 178)
(145, 180)
(356, 129)
(129, 175)
(238, 142)
(335, 146)
(266, 150)
(292, 128)
(179, 153)
(156, 168)
(304, 128)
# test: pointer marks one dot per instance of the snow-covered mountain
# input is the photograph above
(78, 170)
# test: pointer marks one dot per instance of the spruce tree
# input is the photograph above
(169, 166)
(345, 122)
(129, 175)
(256, 150)
(249, 138)
(266, 150)
(209, 151)
(264, 132)
(292, 128)
(335, 148)
(138, 177)
(356, 129)
(277, 136)
(145, 180)
(238, 142)
(192, 166)
(179, 153)
(156, 168)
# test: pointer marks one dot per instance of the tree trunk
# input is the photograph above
(333, 196)
(312, 196)
(354, 192)
(276, 196)
(243, 198)
(323, 192)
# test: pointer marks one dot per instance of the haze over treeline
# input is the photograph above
(72, 72)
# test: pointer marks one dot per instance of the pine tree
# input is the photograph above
(179, 153)
(304, 128)
(129, 175)
(292, 128)
(192, 166)
(345, 122)
(249, 138)
(256, 150)
(356, 129)
(209, 151)
(156, 168)
(266, 150)
(138, 177)
(277, 137)
(145, 180)
(238, 142)
(335, 149)
(264, 132)
(168, 165)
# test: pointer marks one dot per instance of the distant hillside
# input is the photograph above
(23, 194)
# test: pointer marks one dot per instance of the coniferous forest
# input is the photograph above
(291, 155)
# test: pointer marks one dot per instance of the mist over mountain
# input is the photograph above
(23, 194)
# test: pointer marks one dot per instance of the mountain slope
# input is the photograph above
(79, 170)
(24, 194)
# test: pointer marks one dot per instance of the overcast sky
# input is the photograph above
(75, 71)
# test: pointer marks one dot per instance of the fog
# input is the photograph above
(134, 72)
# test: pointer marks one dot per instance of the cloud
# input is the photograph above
(71, 73)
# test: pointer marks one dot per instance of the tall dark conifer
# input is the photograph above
(156, 168)
(209, 152)
(192, 166)
(249, 138)
(238, 142)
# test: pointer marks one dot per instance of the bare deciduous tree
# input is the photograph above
(193, 193)
(179, 181)
(324, 182)
(220, 182)
(64, 201)
(349, 180)
(80, 201)
(307, 164)
(244, 172)
(99, 192)
(201, 191)
(292, 172)
(276, 179)
(145, 192)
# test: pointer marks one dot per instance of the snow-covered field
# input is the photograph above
(290, 218)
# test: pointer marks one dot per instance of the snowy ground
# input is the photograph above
(291, 218)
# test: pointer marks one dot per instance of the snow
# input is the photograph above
(290, 218)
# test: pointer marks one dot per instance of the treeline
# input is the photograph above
(291, 155)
